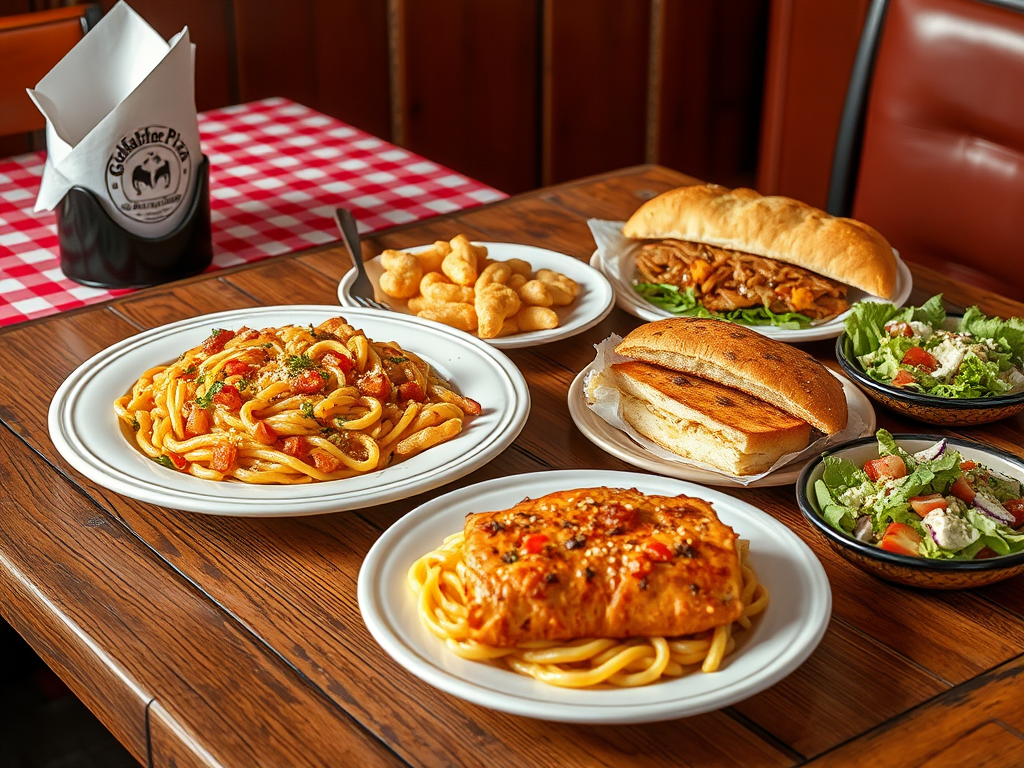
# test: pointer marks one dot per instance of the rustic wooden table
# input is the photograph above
(207, 641)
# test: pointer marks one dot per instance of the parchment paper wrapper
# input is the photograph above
(121, 122)
(603, 400)
(617, 252)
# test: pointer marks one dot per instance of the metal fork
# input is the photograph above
(361, 290)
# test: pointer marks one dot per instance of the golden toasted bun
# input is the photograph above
(777, 228)
(705, 421)
(743, 359)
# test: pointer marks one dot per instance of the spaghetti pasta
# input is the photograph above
(438, 581)
(291, 405)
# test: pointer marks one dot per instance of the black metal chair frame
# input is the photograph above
(846, 160)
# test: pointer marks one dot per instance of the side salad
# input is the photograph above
(915, 349)
(684, 303)
(932, 503)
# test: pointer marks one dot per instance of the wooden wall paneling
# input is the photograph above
(710, 88)
(596, 60)
(350, 57)
(276, 55)
(470, 74)
(208, 26)
(811, 47)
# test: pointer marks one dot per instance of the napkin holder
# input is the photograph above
(96, 251)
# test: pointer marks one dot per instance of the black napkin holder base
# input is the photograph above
(97, 251)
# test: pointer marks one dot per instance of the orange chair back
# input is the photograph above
(941, 171)
(30, 45)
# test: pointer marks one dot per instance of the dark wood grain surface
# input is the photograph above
(203, 641)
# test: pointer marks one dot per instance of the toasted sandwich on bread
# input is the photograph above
(738, 250)
(705, 421)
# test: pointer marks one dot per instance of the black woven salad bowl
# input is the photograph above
(928, 408)
(906, 569)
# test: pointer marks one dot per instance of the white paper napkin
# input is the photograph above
(121, 121)
(604, 401)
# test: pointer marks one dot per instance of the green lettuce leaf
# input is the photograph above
(683, 302)
(865, 325)
(1008, 334)
(932, 312)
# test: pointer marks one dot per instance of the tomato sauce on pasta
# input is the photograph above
(293, 404)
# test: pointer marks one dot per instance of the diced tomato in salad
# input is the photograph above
(922, 505)
(1016, 508)
(885, 468)
(962, 490)
(919, 358)
(901, 539)
(899, 329)
(902, 378)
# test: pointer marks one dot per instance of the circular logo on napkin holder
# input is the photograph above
(148, 173)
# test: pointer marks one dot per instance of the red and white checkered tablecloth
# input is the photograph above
(277, 172)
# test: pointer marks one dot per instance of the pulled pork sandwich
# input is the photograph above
(738, 255)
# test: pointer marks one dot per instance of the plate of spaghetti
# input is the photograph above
(292, 410)
(600, 597)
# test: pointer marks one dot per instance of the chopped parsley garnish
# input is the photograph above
(206, 400)
(135, 425)
(341, 421)
(306, 408)
(298, 363)
(267, 345)
(190, 370)
(242, 384)
(216, 332)
(165, 461)
(510, 557)
(201, 379)
(398, 359)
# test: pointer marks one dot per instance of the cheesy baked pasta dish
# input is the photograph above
(291, 405)
(591, 586)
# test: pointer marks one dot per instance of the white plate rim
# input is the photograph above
(191, 494)
(587, 422)
(594, 707)
(636, 306)
(590, 279)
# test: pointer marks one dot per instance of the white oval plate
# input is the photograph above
(87, 433)
(619, 444)
(636, 305)
(781, 639)
(593, 304)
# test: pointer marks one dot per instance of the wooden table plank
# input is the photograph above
(122, 629)
(283, 591)
(936, 729)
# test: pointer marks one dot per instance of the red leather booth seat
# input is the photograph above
(942, 164)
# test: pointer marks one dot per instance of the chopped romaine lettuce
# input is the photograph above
(980, 359)
(845, 493)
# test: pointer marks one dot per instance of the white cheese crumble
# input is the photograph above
(948, 530)
(921, 329)
(949, 353)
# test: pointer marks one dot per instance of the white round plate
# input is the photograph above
(619, 444)
(87, 433)
(781, 639)
(593, 304)
(636, 305)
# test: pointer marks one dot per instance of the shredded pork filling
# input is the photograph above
(724, 280)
